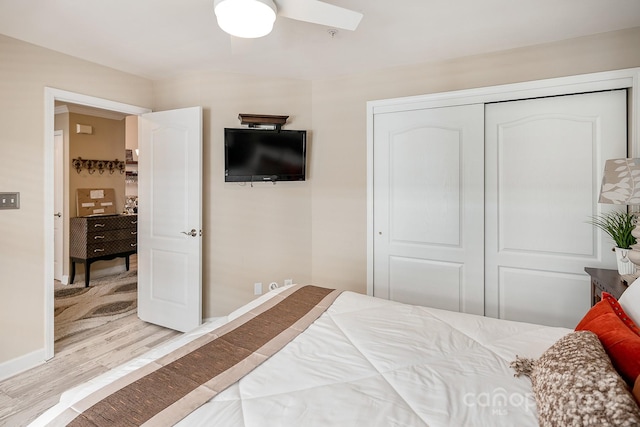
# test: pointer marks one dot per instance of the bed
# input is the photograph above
(359, 361)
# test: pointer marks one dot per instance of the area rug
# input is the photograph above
(109, 298)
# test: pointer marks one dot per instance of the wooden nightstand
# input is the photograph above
(605, 280)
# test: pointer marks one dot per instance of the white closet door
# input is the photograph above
(544, 163)
(428, 207)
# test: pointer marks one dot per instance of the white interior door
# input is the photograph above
(58, 209)
(544, 163)
(429, 207)
(170, 218)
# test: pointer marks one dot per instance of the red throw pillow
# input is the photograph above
(617, 309)
(621, 343)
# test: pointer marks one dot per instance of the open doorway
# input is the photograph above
(53, 96)
(176, 273)
(102, 140)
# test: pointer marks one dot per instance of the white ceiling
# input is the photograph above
(164, 38)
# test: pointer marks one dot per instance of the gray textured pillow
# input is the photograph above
(575, 384)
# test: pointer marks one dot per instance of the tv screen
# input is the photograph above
(264, 155)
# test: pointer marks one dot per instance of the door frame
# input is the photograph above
(608, 80)
(51, 95)
(58, 195)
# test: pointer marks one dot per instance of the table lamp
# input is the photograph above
(621, 186)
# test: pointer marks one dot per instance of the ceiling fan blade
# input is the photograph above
(319, 12)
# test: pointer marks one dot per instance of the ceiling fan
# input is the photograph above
(255, 18)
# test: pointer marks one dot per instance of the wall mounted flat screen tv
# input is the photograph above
(264, 155)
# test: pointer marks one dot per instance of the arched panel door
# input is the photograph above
(429, 207)
(544, 163)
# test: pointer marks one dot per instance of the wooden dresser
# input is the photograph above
(100, 238)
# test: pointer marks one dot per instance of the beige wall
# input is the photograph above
(106, 142)
(250, 234)
(312, 231)
(339, 123)
(25, 70)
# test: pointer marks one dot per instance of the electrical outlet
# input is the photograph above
(288, 282)
(257, 288)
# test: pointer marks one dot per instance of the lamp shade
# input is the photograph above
(621, 182)
(245, 18)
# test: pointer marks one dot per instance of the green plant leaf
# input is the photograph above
(618, 225)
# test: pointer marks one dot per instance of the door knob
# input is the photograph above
(58, 214)
(192, 233)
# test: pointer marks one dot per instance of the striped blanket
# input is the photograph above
(164, 392)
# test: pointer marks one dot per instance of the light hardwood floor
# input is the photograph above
(78, 359)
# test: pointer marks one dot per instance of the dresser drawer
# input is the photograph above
(95, 250)
(110, 235)
(111, 223)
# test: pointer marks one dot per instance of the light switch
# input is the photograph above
(9, 200)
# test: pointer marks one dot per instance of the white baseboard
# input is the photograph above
(20, 364)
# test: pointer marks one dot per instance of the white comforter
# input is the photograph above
(373, 362)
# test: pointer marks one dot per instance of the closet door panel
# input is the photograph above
(520, 296)
(544, 163)
(418, 156)
(442, 290)
(428, 207)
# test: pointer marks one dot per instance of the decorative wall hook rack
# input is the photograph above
(98, 165)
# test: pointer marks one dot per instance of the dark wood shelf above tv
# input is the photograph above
(254, 120)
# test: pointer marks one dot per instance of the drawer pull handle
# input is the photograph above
(134, 232)
(98, 250)
(98, 237)
(133, 245)
(98, 225)
(134, 222)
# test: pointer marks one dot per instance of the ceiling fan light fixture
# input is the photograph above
(245, 18)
